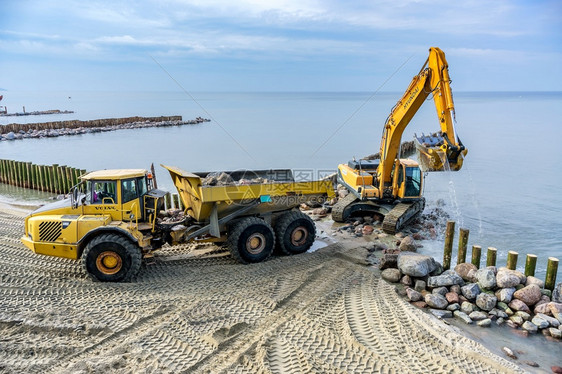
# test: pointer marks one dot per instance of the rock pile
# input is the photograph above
(50, 133)
(480, 296)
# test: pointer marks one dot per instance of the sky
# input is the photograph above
(277, 45)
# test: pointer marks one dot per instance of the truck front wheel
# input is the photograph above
(251, 240)
(112, 258)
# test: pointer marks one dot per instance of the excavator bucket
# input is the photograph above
(436, 153)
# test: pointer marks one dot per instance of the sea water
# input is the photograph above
(508, 192)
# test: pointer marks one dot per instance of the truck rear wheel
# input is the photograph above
(112, 258)
(295, 233)
(251, 240)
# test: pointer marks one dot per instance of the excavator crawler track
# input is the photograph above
(401, 214)
(339, 207)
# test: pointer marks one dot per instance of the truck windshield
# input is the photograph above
(413, 181)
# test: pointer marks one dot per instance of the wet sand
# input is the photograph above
(197, 310)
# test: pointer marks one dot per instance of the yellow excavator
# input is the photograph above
(390, 186)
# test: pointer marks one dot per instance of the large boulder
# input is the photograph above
(557, 293)
(447, 278)
(534, 280)
(507, 278)
(463, 269)
(530, 295)
(517, 305)
(555, 308)
(486, 301)
(470, 291)
(486, 279)
(407, 244)
(415, 264)
(518, 274)
(436, 301)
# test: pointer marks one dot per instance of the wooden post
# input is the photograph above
(63, 181)
(476, 254)
(50, 180)
(29, 181)
(11, 171)
(491, 257)
(512, 260)
(448, 250)
(463, 243)
(54, 178)
(530, 265)
(551, 269)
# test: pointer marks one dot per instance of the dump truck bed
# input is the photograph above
(276, 194)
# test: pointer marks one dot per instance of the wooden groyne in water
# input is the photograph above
(15, 131)
(55, 178)
(50, 178)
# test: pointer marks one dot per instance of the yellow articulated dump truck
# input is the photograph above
(113, 218)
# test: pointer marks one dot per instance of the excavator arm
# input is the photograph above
(432, 79)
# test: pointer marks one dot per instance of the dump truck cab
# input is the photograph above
(120, 204)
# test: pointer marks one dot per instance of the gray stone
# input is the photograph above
(407, 244)
(462, 316)
(467, 307)
(438, 269)
(406, 280)
(486, 279)
(557, 293)
(453, 307)
(388, 261)
(10, 136)
(447, 278)
(526, 316)
(478, 315)
(551, 320)
(441, 313)
(500, 321)
(415, 264)
(529, 326)
(534, 280)
(470, 291)
(391, 275)
(463, 269)
(413, 295)
(507, 279)
(484, 323)
(541, 323)
(555, 308)
(555, 333)
(509, 353)
(419, 285)
(500, 313)
(516, 319)
(436, 301)
(486, 301)
(530, 295)
(440, 290)
(456, 289)
(505, 295)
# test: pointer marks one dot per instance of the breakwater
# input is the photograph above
(16, 131)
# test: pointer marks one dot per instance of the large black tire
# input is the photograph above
(295, 233)
(251, 240)
(112, 258)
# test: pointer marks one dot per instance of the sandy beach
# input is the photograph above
(198, 310)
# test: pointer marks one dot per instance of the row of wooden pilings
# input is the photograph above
(512, 256)
(50, 178)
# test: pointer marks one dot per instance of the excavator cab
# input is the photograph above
(408, 181)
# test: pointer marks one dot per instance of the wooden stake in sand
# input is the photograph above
(476, 254)
(551, 269)
(448, 250)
